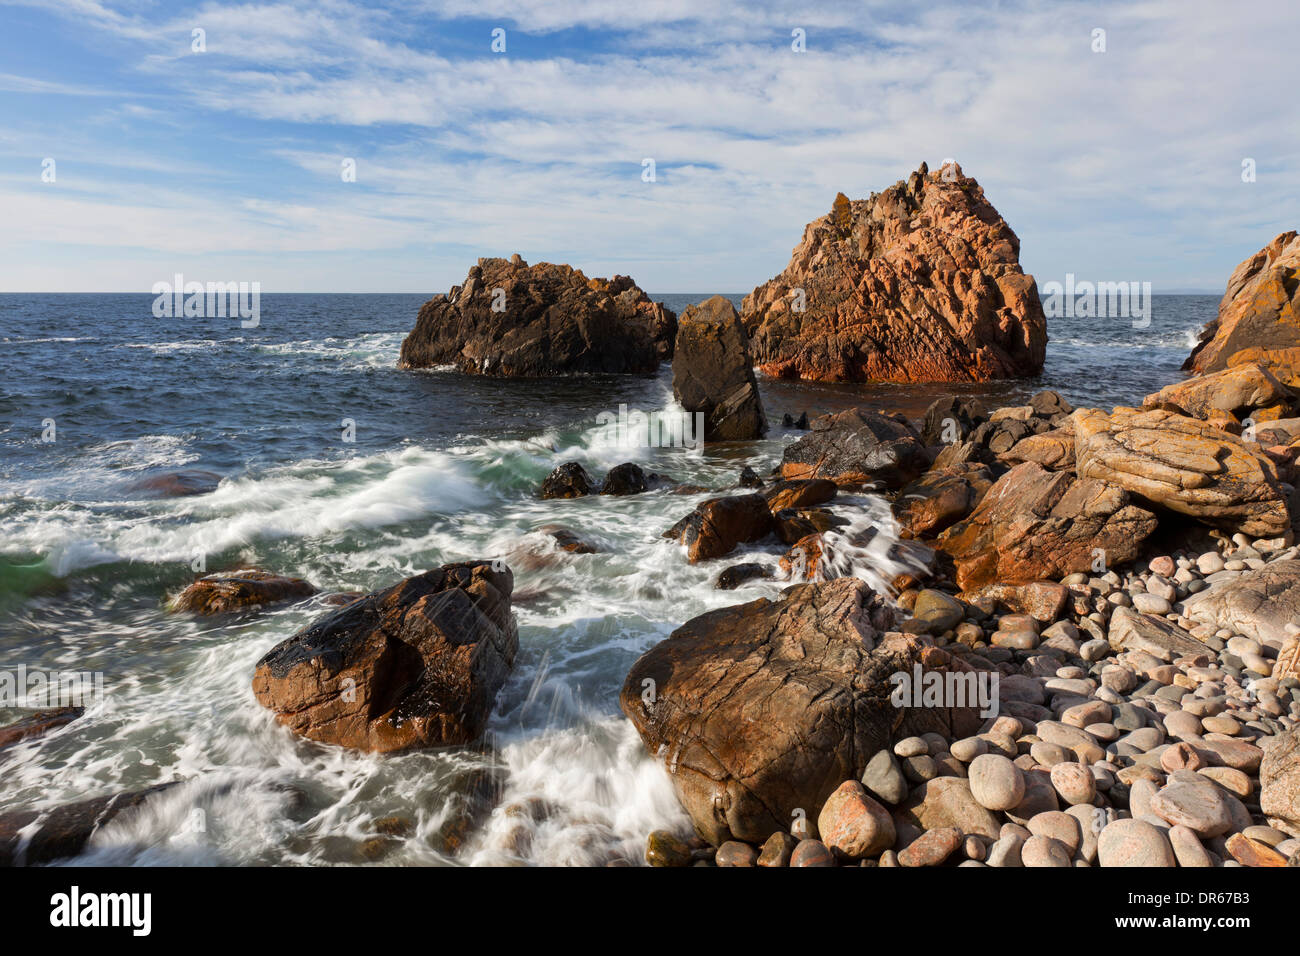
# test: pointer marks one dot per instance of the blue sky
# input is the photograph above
(225, 164)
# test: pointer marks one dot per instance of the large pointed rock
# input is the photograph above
(512, 319)
(1183, 464)
(919, 283)
(714, 374)
(417, 664)
(1260, 309)
(761, 710)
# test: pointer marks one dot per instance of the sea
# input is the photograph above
(337, 467)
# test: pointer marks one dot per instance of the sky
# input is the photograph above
(221, 155)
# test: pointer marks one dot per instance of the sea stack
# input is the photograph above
(919, 283)
(511, 319)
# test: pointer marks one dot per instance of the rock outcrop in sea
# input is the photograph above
(512, 319)
(1259, 315)
(919, 283)
(713, 372)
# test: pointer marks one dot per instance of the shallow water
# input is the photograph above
(444, 467)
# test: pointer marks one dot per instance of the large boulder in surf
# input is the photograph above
(1259, 311)
(1035, 524)
(418, 664)
(919, 283)
(512, 319)
(714, 374)
(247, 589)
(857, 446)
(762, 710)
(1182, 464)
(940, 498)
(718, 526)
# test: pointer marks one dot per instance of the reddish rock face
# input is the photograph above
(512, 319)
(763, 709)
(718, 525)
(1034, 524)
(919, 283)
(240, 591)
(418, 664)
(1259, 313)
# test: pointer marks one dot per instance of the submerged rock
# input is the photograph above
(178, 484)
(416, 664)
(32, 837)
(243, 590)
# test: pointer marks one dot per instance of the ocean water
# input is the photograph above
(443, 467)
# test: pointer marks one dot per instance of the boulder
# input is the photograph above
(714, 374)
(919, 283)
(1279, 783)
(625, 479)
(951, 419)
(243, 590)
(1260, 308)
(717, 526)
(799, 494)
(940, 498)
(1054, 450)
(1035, 524)
(1184, 465)
(569, 480)
(1243, 391)
(1133, 631)
(1260, 604)
(857, 446)
(32, 837)
(762, 710)
(512, 319)
(416, 664)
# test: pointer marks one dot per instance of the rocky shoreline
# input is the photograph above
(1087, 652)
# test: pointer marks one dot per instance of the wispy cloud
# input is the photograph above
(1124, 163)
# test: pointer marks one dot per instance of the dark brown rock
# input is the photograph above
(625, 479)
(713, 373)
(41, 722)
(178, 484)
(417, 664)
(569, 480)
(857, 446)
(510, 319)
(763, 709)
(63, 831)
